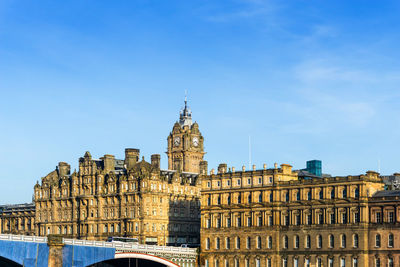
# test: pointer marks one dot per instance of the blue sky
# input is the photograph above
(305, 79)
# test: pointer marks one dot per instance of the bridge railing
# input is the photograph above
(24, 238)
(128, 246)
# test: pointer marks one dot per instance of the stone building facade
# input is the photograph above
(124, 197)
(17, 219)
(274, 217)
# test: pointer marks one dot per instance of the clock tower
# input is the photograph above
(185, 144)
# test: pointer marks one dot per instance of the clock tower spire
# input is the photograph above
(185, 144)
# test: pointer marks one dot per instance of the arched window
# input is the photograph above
(308, 241)
(390, 262)
(377, 262)
(331, 241)
(378, 240)
(321, 193)
(357, 193)
(309, 195)
(227, 243)
(298, 195)
(343, 241)
(248, 242)
(249, 198)
(333, 193)
(228, 200)
(319, 241)
(285, 242)
(269, 242)
(355, 241)
(260, 197)
(390, 241)
(208, 201)
(296, 241)
(287, 197)
(217, 243)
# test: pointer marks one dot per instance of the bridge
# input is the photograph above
(55, 251)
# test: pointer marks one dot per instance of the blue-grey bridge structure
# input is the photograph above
(35, 251)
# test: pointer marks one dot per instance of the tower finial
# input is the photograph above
(185, 98)
(186, 114)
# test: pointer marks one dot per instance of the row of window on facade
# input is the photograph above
(330, 262)
(296, 242)
(296, 196)
(331, 217)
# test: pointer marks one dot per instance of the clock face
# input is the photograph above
(177, 141)
(195, 141)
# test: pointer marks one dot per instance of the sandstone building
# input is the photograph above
(280, 217)
(125, 197)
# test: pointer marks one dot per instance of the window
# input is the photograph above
(269, 242)
(321, 218)
(236, 263)
(309, 219)
(238, 182)
(259, 180)
(227, 243)
(258, 242)
(218, 223)
(249, 198)
(332, 218)
(344, 217)
(228, 222)
(228, 182)
(208, 201)
(378, 241)
(298, 219)
(342, 262)
(296, 241)
(248, 181)
(285, 242)
(208, 184)
(258, 260)
(208, 223)
(226, 263)
(259, 220)
(321, 193)
(270, 220)
(343, 241)
(331, 241)
(284, 262)
(239, 199)
(249, 221)
(330, 262)
(319, 241)
(269, 262)
(217, 243)
(219, 200)
(344, 193)
(287, 197)
(333, 193)
(355, 262)
(319, 262)
(378, 217)
(237, 245)
(207, 243)
(355, 241)
(286, 220)
(308, 241)
(238, 222)
(391, 217)
(390, 262)
(206, 263)
(218, 183)
(216, 263)
(260, 197)
(306, 262)
(378, 262)
(356, 193)
(298, 195)
(390, 241)
(248, 243)
(295, 262)
(271, 197)
(309, 195)
(356, 217)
